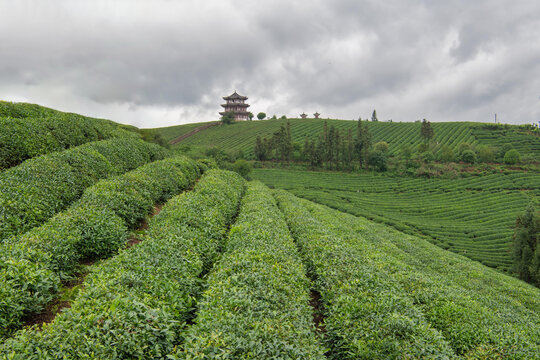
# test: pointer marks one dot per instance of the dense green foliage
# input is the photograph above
(472, 216)
(367, 317)
(35, 190)
(33, 265)
(389, 295)
(135, 305)
(512, 157)
(256, 303)
(242, 136)
(527, 246)
(30, 130)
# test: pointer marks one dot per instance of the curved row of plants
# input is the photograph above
(33, 265)
(35, 190)
(22, 139)
(474, 216)
(368, 314)
(480, 312)
(256, 303)
(134, 306)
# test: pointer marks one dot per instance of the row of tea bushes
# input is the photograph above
(134, 305)
(33, 265)
(368, 315)
(256, 303)
(22, 139)
(35, 190)
(479, 311)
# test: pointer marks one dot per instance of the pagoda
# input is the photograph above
(303, 115)
(236, 104)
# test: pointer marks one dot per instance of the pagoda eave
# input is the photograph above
(233, 105)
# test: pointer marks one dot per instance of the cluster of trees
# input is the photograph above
(465, 152)
(527, 246)
(333, 148)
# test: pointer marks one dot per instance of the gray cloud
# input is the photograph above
(157, 63)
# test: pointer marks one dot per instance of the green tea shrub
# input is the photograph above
(90, 229)
(134, 305)
(275, 321)
(25, 138)
(35, 190)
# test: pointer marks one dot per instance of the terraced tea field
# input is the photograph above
(231, 269)
(471, 216)
(241, 136)
(227, 271)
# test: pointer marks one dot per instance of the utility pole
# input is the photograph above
(495, 118)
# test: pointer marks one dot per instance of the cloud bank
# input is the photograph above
(160, 63)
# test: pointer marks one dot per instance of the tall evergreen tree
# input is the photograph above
(527, 246)
(426, 131)
(374, 116)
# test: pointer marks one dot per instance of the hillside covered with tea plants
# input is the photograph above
(116, 248)
(241, 136)
(473, 216)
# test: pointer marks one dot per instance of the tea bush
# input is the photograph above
(35, 190)
(92, 228)
(134, 305)
(256, 302)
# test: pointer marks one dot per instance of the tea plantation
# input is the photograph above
(241, 136)
(176, 259)
(472, 216)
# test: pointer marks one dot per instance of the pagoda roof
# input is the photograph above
(235, 105)
(235, 95)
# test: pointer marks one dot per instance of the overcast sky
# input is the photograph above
(156, 63)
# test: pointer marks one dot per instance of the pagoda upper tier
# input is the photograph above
(236, 105)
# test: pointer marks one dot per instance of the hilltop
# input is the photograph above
(241, 136)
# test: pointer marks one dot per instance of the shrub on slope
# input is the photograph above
(134, 305)
(35, 190)
(32, 266)
(256, 303)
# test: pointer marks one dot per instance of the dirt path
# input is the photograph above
(193, 132)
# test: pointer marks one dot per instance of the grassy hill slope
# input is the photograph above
(241, 136)
(470, 216)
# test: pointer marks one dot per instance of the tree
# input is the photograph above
(250, 116)
(261, 115)
(468, 156)
(426, 131)
(378, 160)
(406, 152)
(486, 154)
(526, 248)
(447, 154)
(381, 146)
(228, 117)
(427, 156)
(512, 157)
(374, 116)
(260, 150)
(362, 143)
(243, 168)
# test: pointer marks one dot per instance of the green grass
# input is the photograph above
(471, 216)
(241, 136)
